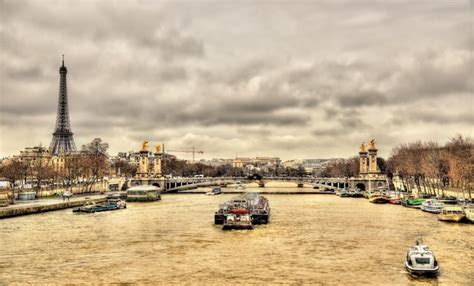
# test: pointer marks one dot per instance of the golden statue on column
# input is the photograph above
(372, 144)
(145, 145)
(158, 149)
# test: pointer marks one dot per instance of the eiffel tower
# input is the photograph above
(63, 141)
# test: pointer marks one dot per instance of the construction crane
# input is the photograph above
(193, 151)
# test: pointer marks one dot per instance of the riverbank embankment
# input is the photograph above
(46, 205)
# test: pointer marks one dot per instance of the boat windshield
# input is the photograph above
(422, 260)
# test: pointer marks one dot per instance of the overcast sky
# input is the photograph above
(295, 79)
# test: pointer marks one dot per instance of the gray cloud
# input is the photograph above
(308, 79)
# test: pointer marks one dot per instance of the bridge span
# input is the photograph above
(180, 183)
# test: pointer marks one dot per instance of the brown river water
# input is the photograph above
(311, 239)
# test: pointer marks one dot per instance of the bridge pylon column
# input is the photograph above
(143, 164)
(157, 165)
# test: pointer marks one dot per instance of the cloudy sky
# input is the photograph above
(295, 79)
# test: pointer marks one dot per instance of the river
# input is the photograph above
(311, 239)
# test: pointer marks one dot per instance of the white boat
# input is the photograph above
(420, 260)
(469, 212)
(432, 206)
(214, 192)
(240, 187)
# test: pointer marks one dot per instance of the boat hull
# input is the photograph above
(451, 218)
(433, 210)
(143, 199)
(377, 200)
(421, 272)
(394, 201)
(237, 226)
(256, 218)
(95, 209)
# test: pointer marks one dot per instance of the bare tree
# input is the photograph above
(13, 170)
(96, 159)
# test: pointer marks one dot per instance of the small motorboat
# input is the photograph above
(420, 260)
(394, 200)
(432, 206)
(469, 212)
(109, 205)
(344, 194)
(412, 202)
(240, 187)
(377, 199)
(214, 191)
(452, 213)
(355, 194)
(238, 219)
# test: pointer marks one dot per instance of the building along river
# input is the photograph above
(310, 239)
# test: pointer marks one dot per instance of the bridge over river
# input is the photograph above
(181, 184)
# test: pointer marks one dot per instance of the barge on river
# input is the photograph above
(243, 212)
(109, 205)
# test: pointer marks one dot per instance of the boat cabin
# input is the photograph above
(452, 211)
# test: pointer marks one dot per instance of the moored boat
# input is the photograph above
(394, 200)
(448, 200)
(432, 206)
(469, 212)
(420, 260)
(412, 202)
(214, 191)
(452, 213)
(344, 194)
(377, 199)
(109, 205)
(356, 194)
